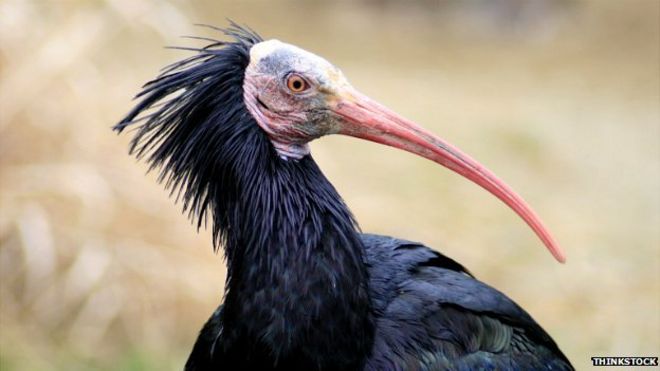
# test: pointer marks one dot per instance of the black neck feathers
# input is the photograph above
(297, 285)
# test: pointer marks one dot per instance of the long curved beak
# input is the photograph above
(361, 117)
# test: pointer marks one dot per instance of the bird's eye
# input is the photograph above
(296, 83)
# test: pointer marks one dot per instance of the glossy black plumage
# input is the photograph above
(305, 289)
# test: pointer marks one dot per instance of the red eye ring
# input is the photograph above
(296, 83)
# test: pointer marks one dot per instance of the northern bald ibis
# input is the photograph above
(229, 129)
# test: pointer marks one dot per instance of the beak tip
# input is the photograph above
(559, 255)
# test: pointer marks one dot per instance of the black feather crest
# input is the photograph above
(187, 112)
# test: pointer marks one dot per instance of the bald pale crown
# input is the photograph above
(291, 117)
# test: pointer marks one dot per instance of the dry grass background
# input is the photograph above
(560, 98)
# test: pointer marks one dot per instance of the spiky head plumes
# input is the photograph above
(187, 112)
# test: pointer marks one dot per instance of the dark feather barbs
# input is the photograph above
(205, 97)
(283, 227)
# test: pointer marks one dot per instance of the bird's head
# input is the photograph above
(294, 96)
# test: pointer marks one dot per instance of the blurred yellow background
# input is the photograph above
(100, 271)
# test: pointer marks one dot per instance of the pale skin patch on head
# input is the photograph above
(335, 76)
(291, 120)
(263, 49)
(304, 60)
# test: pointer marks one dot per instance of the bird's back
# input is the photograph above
(432, 314)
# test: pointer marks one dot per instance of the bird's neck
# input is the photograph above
(297, 281)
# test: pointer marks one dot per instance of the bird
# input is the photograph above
(228, 129)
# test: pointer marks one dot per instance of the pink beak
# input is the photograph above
(363, 118)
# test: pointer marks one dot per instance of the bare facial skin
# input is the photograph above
(287, 90)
